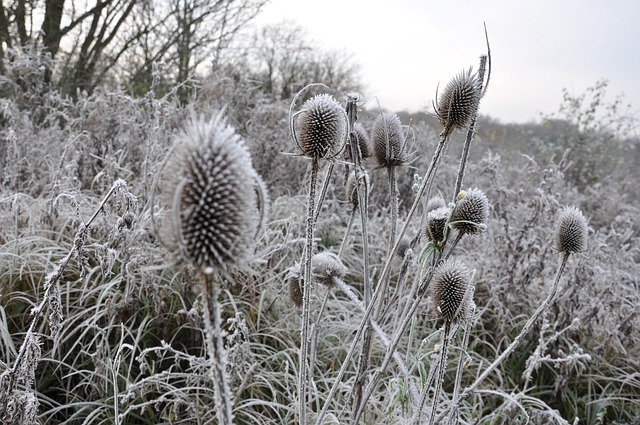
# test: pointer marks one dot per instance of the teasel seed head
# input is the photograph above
(452, 291)
(213, 195)
(320, 128)
(325, 266)
(364, 143)
(296, 285)
(471, 212)
(435, 225)
(388, 141)
(571, 231)
(459, 101)
(403, 247)
(351, 190)
(434, 203)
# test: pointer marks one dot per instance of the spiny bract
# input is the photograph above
(571, 231)
(321, 127)
(213, 195)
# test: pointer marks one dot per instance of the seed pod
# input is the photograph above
(459, 101)
(296, 285)
(325, 266)
(388, 141)
(571, 231)
(321, 127)
(435, 225)
(213, 195)
(452, 291)
(470, 214)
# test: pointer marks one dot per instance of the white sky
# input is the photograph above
(406, 47)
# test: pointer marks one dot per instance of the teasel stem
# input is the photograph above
(352, 216)
(215, 346)
(418, 199)
(470, 131)
(525, 330)
(440, 369)
(306, 297)
(453, 419)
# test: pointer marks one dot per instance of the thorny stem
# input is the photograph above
(50, 282)
(323, 192)
(453, 419)
(442, 367)
(306, 299)
(525, 329)
(215, 345)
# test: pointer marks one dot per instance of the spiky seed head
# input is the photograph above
(325, 266)
(212, 194)
(571, 231)
(434, 203)
(296, 285)
(452, 291)
(459, 101)
(351, 190)
(471, 212)
(388, 141)
(364, 142)
(321, 127)
(435, 224)
(403, 246)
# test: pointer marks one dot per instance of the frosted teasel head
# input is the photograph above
(217, 199)
(363, 140)
(571, 231)
(388, 140)
(295, 284)
(434, 203)
(327, 266)
(470, 213)
(320, 127)
(436, 223)
(452, 291)
(351, 190)
(458, 103)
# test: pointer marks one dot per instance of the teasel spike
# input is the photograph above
(327, 266)
(319, 129)
(570, 231)
(459, 101)
(470, 213)
(388, 141)
(296, 285)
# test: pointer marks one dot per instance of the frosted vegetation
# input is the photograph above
(402, 268)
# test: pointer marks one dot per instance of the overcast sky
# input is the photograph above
(406, 47)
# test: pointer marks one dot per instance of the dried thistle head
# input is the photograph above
(388, 140)
(320, 127)
(459, 101)
(452, 291)
(213, 195)
(296, 285)
(436, 222)
(325, 266)
(571, 231)
(471, 212)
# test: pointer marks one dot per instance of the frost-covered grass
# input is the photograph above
(130, 347)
